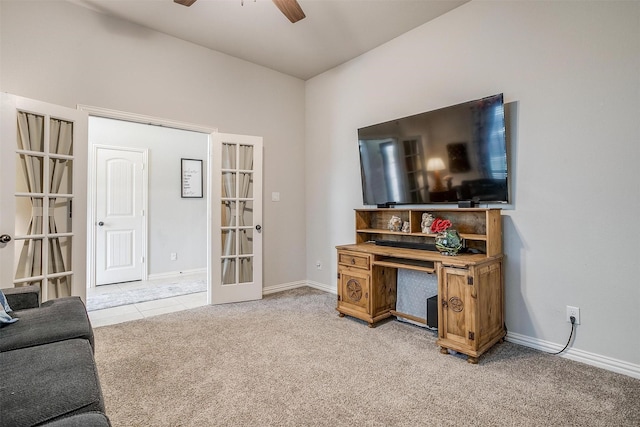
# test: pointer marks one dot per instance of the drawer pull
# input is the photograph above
(353, 261)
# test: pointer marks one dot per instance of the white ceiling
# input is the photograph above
(333, 32)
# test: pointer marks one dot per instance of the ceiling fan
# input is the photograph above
(290, 8)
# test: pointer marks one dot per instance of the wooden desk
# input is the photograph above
(470, 286)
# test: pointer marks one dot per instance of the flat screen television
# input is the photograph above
(453, 154)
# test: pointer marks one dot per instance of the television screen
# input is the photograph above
(452, 154)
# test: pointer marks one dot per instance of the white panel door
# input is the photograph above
(43, 176)
(236, 256)
(119, 228)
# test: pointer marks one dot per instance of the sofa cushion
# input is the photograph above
(47, 382)
(22, 297)
(89, 419)
(55, 320)
(5, 318)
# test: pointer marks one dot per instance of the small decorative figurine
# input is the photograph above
(405, 227)
(395, 223)
(427, 220)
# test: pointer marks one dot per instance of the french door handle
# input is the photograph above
(259, 228)
(5, 238)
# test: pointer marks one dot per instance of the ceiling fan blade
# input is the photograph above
(291, 9)
(185, 2)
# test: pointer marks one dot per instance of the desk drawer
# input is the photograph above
(352, 259)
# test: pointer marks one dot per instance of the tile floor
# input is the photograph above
(125, 313)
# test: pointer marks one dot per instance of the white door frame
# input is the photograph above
(92, 238)
(148, 120)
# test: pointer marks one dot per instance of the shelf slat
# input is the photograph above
(467, 236)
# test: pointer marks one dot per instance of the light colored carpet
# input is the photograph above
(289, 360)
(149, 293)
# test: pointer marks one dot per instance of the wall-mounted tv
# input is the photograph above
(453, 154)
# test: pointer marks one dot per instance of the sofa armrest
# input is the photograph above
(23, 297)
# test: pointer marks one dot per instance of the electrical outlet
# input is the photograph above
(174, 256)
(575, 312)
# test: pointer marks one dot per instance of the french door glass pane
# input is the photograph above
(228, 271)
(228, 184)
(229, 242)
(60, 215)
(228, 213)
(246, 270)
(30, 171)
(246, 241)
(61, 171)
(60, 286)
(59, 259)
(27, 283)
(246, 185)
(246, 157)
(61, 137)
(30, 132)
(228, 156)
(29, 215)
(246, 212)
(28, 258)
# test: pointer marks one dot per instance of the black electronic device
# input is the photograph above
(456, 153)
(467, 204)
(475, 251)
(406, 245)
(385, 205)
(432, 312)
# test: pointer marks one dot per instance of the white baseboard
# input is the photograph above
(282, 287)
(604, 362)
(322, 287)
(293, 285)
(176, 273)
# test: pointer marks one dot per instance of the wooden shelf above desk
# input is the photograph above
(480, 228)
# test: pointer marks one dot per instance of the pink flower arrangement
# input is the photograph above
(440, 225)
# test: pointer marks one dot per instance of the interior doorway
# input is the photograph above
(231, 197)
(145, 244)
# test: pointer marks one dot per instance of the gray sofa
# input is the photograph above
(48, 375)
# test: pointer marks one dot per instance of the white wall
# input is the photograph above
(571, 71)
(175, 225)
(65, 54)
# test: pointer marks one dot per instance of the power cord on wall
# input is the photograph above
(573, 327)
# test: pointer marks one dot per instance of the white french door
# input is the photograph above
(236, 250)
(120, 215)
(43, 176)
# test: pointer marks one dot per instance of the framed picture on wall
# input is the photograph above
(191, 175)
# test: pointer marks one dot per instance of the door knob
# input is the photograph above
(101, 223)
(5, 238)
(259, 228)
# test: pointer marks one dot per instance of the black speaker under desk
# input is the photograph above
(432, 312)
